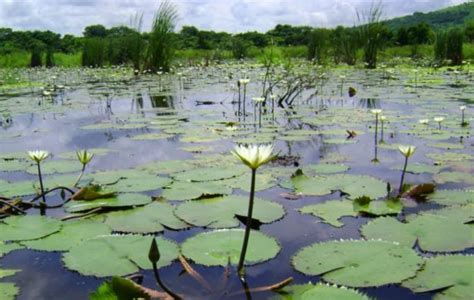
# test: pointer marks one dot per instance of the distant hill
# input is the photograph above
(439, 19)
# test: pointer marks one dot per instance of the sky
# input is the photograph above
(71, 16)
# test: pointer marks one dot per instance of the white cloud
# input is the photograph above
(71, 16)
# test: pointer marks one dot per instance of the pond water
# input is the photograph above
(142, 123)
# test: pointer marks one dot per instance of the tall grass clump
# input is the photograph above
(318, 45)
(371, 33)
(440, 47)
(135, 40)
(49, 59)
(161, 46)
(454, 50)
(345, 44)
(93, 53)
(35, 60)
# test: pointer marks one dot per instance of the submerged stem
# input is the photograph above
(160, 283)
(43, 202)
(403, 175)
(247, 226)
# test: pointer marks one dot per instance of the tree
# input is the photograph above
(454, 50)
(469, 32)
(95, 31)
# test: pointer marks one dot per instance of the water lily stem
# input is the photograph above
(240, 268)
(43, 202)
(160, 283)
(400, 189)
(80, 176)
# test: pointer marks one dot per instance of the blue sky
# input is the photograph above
(71, 16)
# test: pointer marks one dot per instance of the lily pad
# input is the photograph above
(452, 274)
(354, 185)
(141, 184)
(358, 263)
(179, 190)
(331, 211)
(56, 166)
(221, 212)
(434, 233)
(71, 233)
(8, 291)
(456, 177)
(23, 228)
(117, 255)
(319, 291)
(151, 218)
(391, 206)
(6, 248)
(452, 197)
(216, 248)
(210, 174)
(121, 200)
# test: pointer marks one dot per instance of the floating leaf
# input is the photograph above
(331, 211)
(141, 184)
(146, 219)
(92, 192)
(71, 233)
(452, 197)
(121, 200)
(391, 206)
(433, 232)
(210, 174)
(319, 291)
(6, 248)
(215, 248)
(22, 228)
(327, 168)
(452, 274)
(354, 185)
(358, 263)
(179, 190)
(118, 288)
(221, 212)
(8, 291)
(456, 177)
(117, 255)
(7, 272)
(56, 166)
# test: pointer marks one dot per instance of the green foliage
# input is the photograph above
(118, 288)
(161, 45)
(36, 58)
(318, 44)
(49, 58)
(454, 50)
(93, 52)
(440, 46)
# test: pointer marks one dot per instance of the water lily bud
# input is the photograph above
(407, 151)
(84, 157)
(154, 253)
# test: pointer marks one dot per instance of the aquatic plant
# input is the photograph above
(252, 156)
(439, 120)
(406, 151)
(38, 156)
(160, 50)
(84, 158)
(454, 51)
(154, 256)
(371, 33)
(463, 122)
(382, 122)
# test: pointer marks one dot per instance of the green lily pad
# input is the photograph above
(211, 174)
(221, 212)
(118, 288)
(263, 181)
(151, 218)
(95, 151)
(7, 272)
(392, 206)
(141, 184)
(56, 166)
(449, 156)
(456, 177)
(13, 165)
(117, 255)
(215, 248)
(6, 248)
(418, 168)
(354, 185)
(452, 197)
(319, 291)
(434, 233)
(180, 190)
(121, 200)
(17, 188)
(327, 168)
(166, 167)
(71, 233)
(358, 263)
(331, 211)
(23, 228)
(452, 274)
(8, 291)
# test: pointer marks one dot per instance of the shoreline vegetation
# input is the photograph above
(443, 37)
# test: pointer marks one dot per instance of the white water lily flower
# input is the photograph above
(383, 118)
(407, 151)
(462, 107)
(254, 155)
(258, 99)
(438, 119)
(424, 121)
(244, 81)
(376, 111)
(38, 155)
(84, 157)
